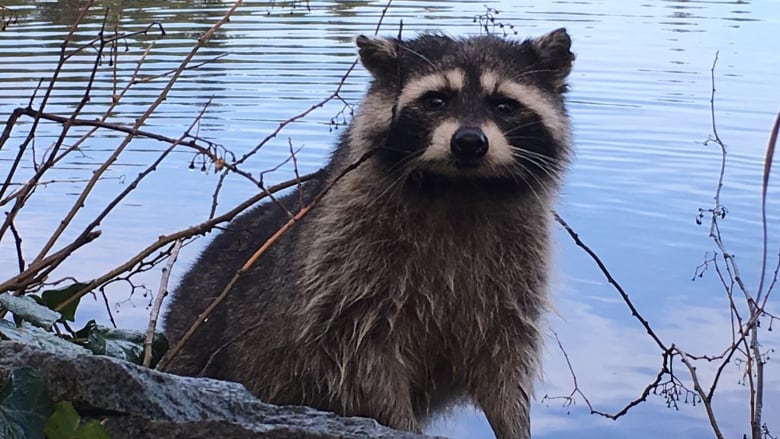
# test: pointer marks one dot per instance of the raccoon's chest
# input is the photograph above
(432, 269)
(435, 270)
(447, 269)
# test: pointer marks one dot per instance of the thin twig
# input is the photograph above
(182, 234)
(769, 158)
(705, 396)
(43, 267)
(18, 245)
(158, 300)
(191, 142)
(108, 309)
(627, 300)
(295, 168)
(569, 400)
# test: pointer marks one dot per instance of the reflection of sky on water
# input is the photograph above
(640, 105)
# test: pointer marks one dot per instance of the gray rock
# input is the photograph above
(135, 402)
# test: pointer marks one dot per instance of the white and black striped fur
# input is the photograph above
(420, 280)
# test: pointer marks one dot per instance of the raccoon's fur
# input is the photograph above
(420, 279)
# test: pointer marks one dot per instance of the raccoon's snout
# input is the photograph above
(469, 143)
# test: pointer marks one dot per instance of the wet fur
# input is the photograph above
(405, 290)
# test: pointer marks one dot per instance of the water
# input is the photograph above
(639, 100)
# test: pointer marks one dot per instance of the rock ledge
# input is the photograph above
(134, 402)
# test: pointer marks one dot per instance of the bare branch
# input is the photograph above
(770, 154)
(612, 281)
(43, 267)
(182, 234)
(705, 396)
(18, 245)
(569, 400)
(138, 123)
(158, 300)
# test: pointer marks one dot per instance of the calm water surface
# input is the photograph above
(639, 101)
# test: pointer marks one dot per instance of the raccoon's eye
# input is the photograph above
(434, 101)
(505, 106)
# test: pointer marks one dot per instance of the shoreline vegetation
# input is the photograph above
(42, 307)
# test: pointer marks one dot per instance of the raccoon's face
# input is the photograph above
(481, 108)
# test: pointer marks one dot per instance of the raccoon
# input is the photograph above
(420, 279)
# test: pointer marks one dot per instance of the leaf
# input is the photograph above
(28, 309)
(92, 430)
(53, 299)
(83, 333)
(24, 405)
(63, 423)
(124, 344)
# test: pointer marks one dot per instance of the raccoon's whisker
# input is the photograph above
(536, 165)
(537, 186)
(385, 148)
(537, 179)
(405, 171)
(545, 159)
(539, 161)
(402, 164)
(535, 71)
(541, 165)
(526, 139)
(531, 187)
(514, 133)
(523, 126)
(397, 182)
(530, 153)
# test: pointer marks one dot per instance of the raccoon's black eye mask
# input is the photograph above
(436, 100)
(504, 106)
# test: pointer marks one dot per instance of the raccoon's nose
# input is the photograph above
(469, 143)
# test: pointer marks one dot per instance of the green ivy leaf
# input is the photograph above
(63, 423)
(53, 299)
(24, 405)
(92, 430)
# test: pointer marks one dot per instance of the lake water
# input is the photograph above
(639, 101)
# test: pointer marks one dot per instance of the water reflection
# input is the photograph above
(725, 10)
(640, 103)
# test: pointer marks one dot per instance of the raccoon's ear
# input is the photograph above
(554, 51)
(378, 55)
